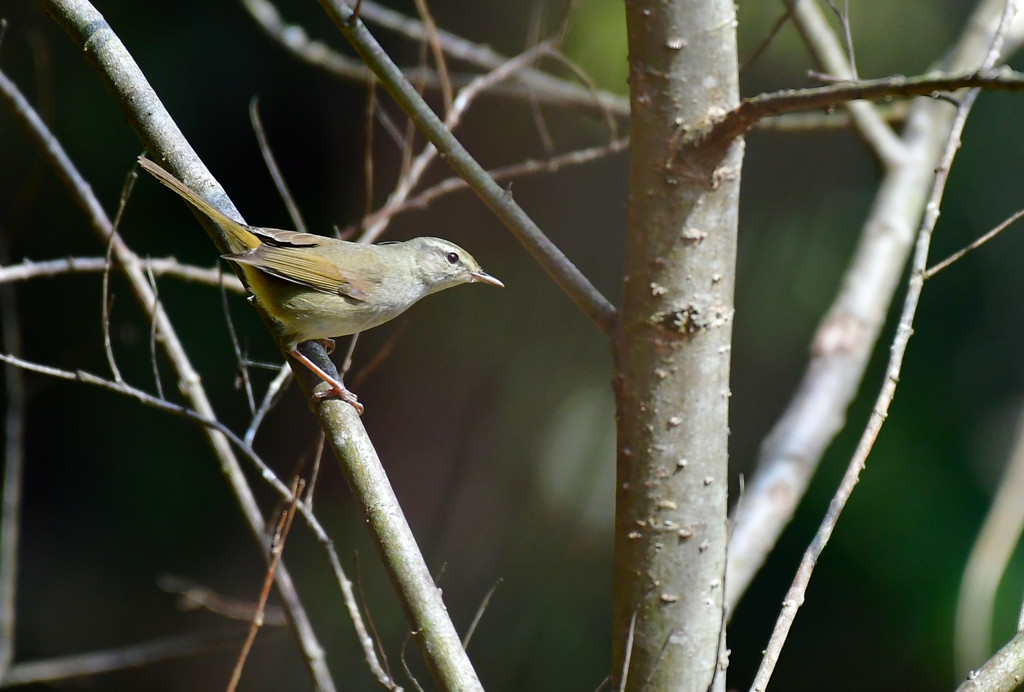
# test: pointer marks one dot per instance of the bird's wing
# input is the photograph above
(296, 261)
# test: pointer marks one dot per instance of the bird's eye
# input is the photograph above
(452, 257)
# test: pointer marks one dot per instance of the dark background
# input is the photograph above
(493, 414)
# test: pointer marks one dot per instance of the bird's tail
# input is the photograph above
(240, 237)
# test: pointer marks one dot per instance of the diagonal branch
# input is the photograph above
(548, 255)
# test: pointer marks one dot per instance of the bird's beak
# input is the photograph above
(485, 278)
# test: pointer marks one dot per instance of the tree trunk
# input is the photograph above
(673, 349)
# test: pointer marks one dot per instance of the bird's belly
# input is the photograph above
(309, 315)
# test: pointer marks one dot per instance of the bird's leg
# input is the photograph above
(328, 345)
(337, 388)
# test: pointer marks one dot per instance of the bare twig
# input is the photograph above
(272, 167)
(314, 473)
(434, 41)
(593, 304)
(827, 50)
(144, 110)
(13, 474)
(795, 597)
(629, 651)
(740, 120)
(53, 670)
(516, 170)
(153, 337)
(28, 269)
(270, 399)
(236, 346)
(265, 472)
(479, 614)
(284, 524)
(844, 22)
(939, 266)
(105, 307)
(368, 616)
(405, 665)
(192, 596)
(413, 169)
(766, 41)
(379, 356)
(368, 130)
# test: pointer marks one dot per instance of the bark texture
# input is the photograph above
(673, 349)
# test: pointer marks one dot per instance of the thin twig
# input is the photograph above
(14, 468)
(629, 650)
(368, 130)
(533, 38)
(413, 169)
(751, 110)
(153, 332)
(194, 596)
(53, 670)
(272, 167)
(106, 307)
(405, 664)
(593, 304)
(368, 617)
(767, 40)
(479, 614)
(270, 399)
(846, 336)
(516, 170)
(265, 473)
(168, 266)
(827, 50)
(844, 22)
(236, 346)
(434, 41)
(986, 565)
(379, 356)
(314, 473)
(939, 266)
(284, 524)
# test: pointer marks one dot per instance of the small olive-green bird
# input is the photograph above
(316, 287)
